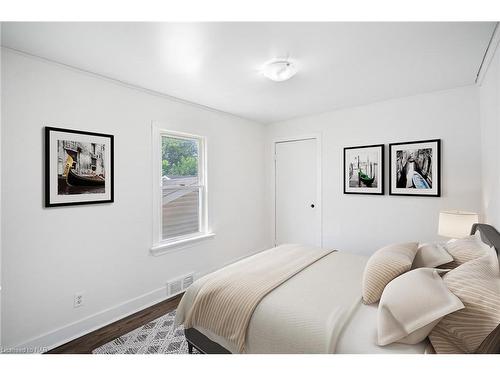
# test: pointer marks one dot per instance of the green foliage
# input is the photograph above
(180, 157)
(187, 166)
(165, 167)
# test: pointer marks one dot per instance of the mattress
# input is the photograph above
(319, 310)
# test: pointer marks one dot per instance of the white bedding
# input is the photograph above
(318, 310)
(360, 336)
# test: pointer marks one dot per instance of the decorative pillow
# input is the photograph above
(431, 255)
(412, 304)
(491, 344)
(384, 265)
(477, 284)
(466, 249)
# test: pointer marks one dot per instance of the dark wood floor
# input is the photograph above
(92, 340)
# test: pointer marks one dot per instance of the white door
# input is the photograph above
(298, 215)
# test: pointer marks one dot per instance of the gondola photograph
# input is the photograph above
(80, 166)
(363, 169)
(415, 168)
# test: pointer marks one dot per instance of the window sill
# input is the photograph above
(167, 247)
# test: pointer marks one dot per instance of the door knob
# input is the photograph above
(312, 205)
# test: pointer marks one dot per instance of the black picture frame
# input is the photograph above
(381, 179)
(436, 161)
(49, 169)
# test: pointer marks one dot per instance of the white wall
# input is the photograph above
(1, 127)
(364, 223)
(49, 258)
(112, 265)
(490, 141)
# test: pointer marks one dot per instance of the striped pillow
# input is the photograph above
(477, 284)
(385, 265)
(466, 249)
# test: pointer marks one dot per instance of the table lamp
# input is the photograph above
(456, 224)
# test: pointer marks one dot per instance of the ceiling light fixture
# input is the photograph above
(279, 70)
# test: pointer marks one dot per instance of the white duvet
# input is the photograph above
(319, 310)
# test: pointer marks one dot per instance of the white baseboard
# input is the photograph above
(95, 321)
(69, 332)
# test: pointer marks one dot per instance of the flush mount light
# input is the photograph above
(279, 70)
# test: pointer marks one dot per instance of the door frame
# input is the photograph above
(319, 187)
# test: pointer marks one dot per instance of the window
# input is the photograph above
(180, 193)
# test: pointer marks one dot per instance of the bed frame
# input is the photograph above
(489, 235)
(202, 343)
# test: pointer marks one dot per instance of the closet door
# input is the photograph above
(297, 214)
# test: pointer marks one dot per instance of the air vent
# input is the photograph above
(187, 281)
(174, 287)
(179, 285)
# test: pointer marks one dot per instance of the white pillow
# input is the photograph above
(412, 304)
(431, 255)
(466, 249)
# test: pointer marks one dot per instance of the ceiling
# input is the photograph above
(218, 64)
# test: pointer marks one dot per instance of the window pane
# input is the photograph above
(180, 212)
(179, 181)
(179, 158)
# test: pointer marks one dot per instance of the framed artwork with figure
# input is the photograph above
(78, 167)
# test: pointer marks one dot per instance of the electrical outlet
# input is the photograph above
(78, 301)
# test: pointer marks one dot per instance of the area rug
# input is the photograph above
(156, 337)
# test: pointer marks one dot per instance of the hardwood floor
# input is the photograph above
(92, 340)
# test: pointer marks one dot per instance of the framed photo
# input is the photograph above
(78, 167)
(415, 168)
(364, 170)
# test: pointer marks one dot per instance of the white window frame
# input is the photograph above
(161, 246)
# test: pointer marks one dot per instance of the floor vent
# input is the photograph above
(179, 285)
(174, 287)
(187, 281)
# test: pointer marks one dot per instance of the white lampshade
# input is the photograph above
(456, 224)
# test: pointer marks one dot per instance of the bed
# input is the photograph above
(316, 310)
